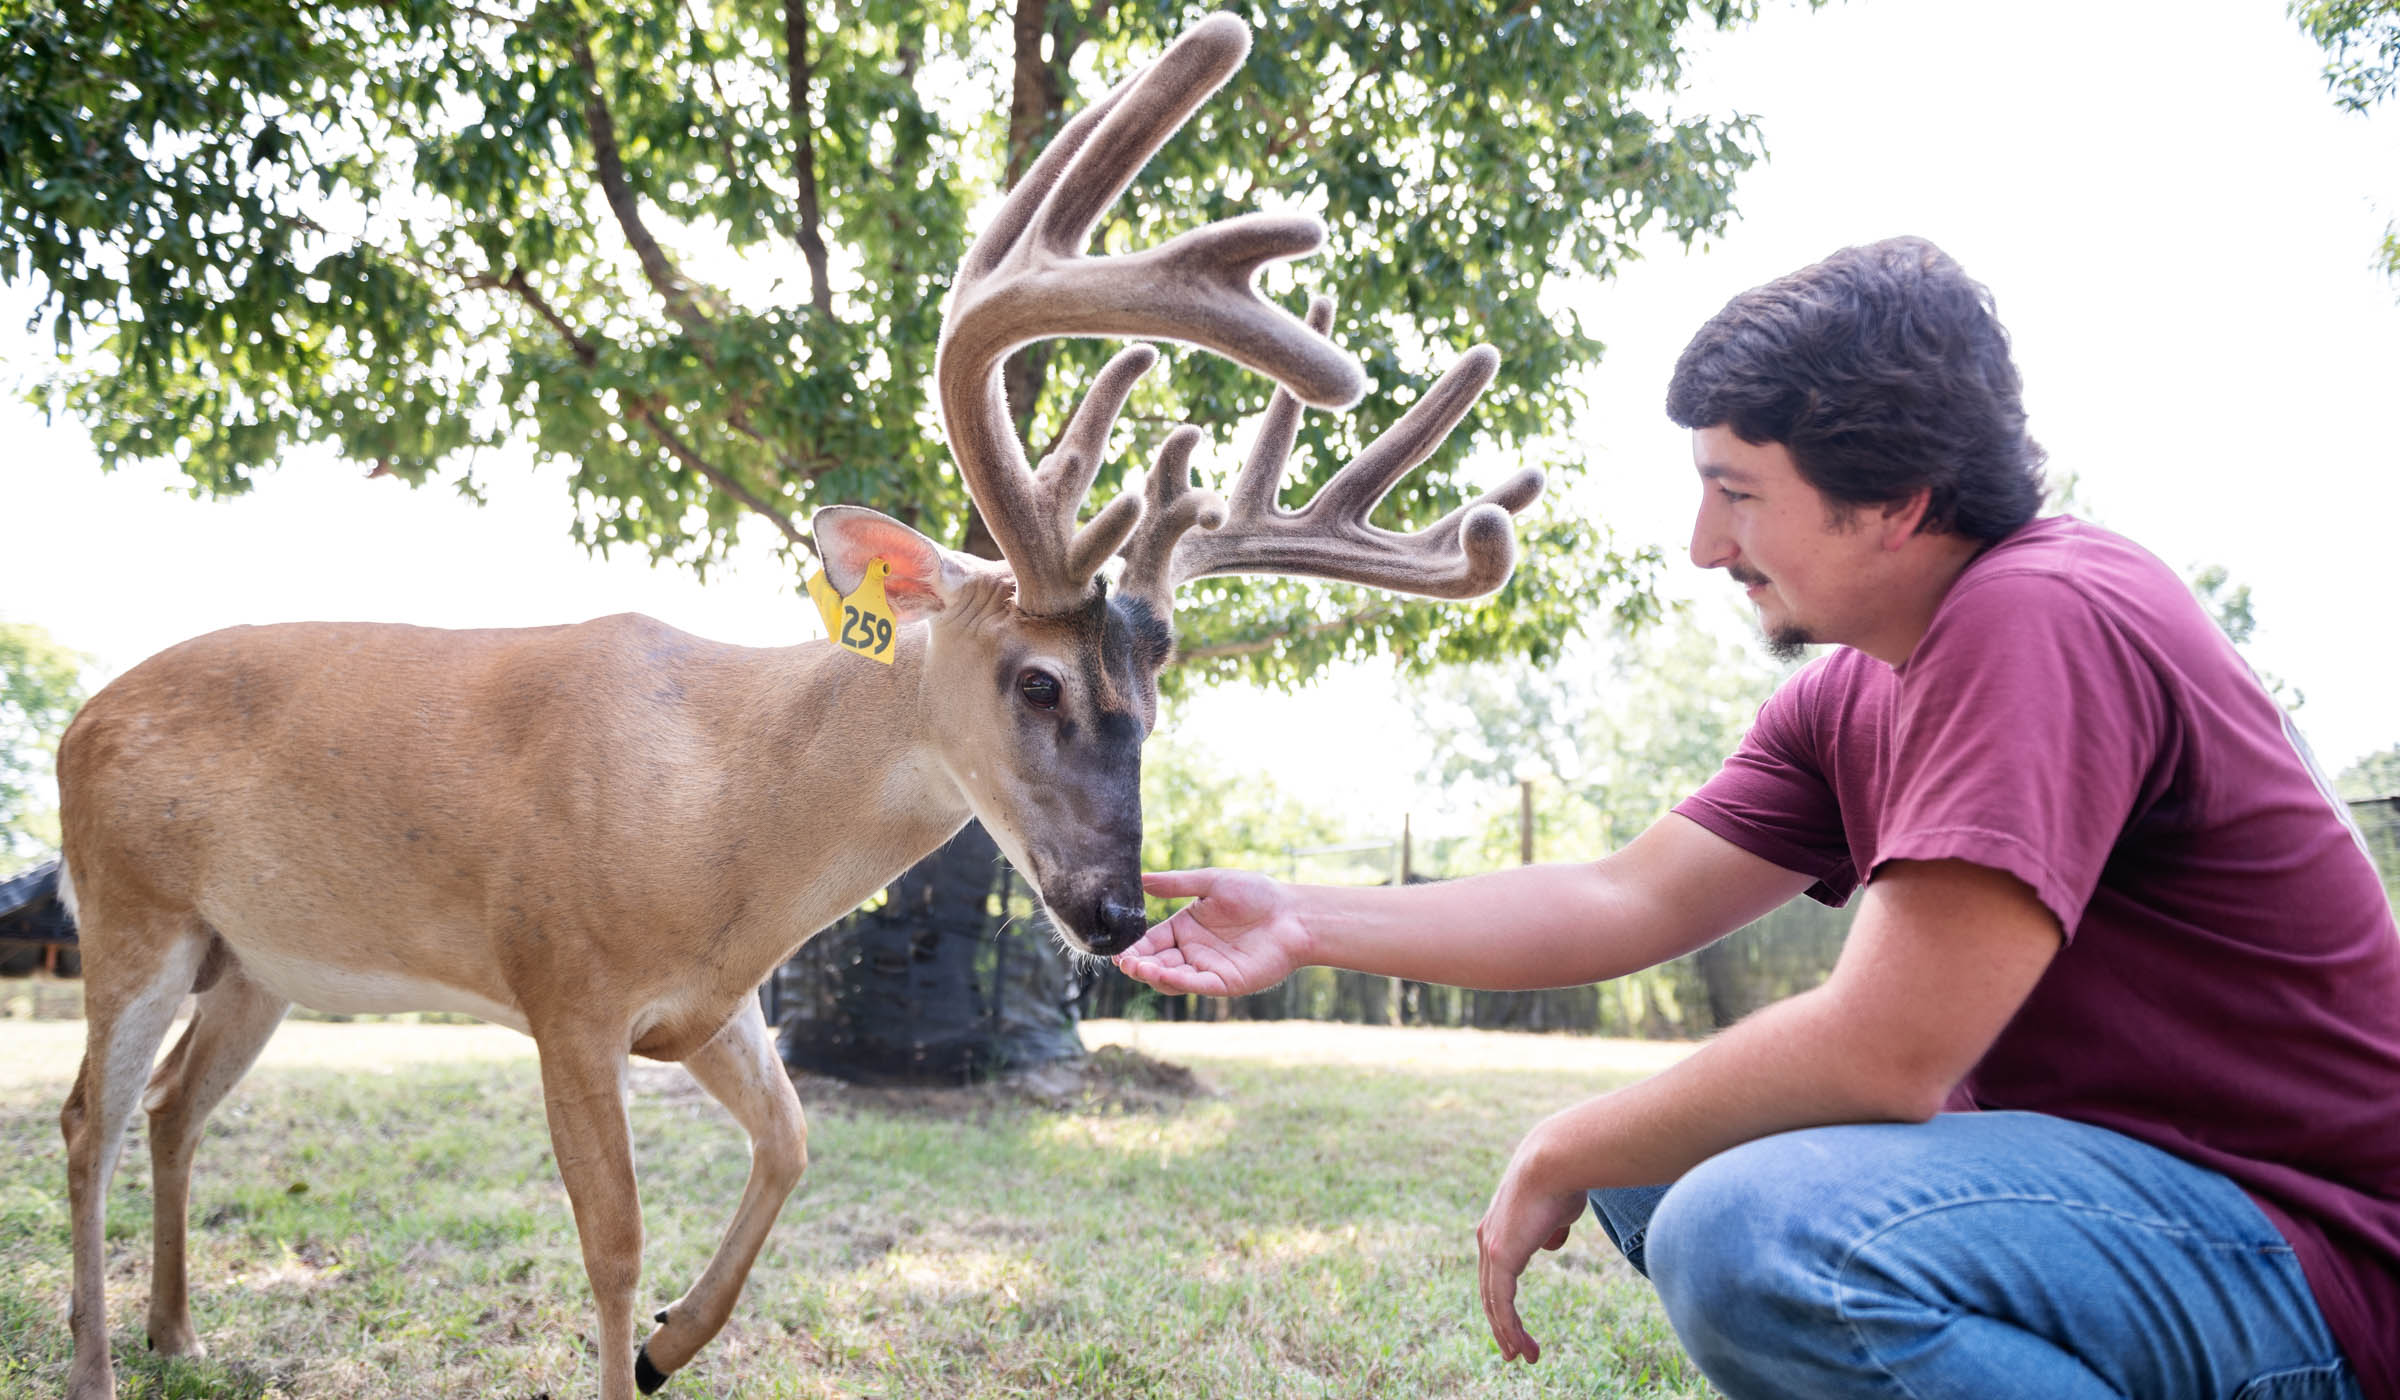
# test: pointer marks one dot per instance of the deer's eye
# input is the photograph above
(1039, 688)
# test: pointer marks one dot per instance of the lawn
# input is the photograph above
(375, 1212)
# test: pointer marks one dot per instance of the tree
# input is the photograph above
(697, 252)
(41, 685)
(2372, 788)
(2361, 39)
(2228, 605)
(2376, 775)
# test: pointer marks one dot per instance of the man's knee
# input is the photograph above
(1743, 1249)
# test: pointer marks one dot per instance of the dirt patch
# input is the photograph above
(1112, 1079)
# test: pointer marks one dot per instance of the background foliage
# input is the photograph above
(697, 252)
(2362, 66)
(41, 685)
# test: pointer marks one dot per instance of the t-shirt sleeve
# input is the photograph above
(2027, 726)
(1772, 797)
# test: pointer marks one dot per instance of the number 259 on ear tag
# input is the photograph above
(865, 623)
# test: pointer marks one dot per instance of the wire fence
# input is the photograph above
(1008, 988)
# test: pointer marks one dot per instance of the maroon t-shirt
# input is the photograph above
(2229, 989)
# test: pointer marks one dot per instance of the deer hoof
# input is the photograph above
(646, 1376)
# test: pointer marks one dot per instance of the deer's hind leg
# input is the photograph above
(741, 1070)
(138, 963)
(232, 1022)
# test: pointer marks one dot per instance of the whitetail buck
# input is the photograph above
(607, 835)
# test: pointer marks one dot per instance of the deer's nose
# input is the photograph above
(1118, 925)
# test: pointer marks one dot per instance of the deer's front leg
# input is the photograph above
(742, 1071)
(583, 1090)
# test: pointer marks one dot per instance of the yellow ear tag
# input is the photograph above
(861, 622)
(829, 603)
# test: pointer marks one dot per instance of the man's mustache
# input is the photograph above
(1746, 577)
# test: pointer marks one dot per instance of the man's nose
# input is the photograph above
(1712, 548)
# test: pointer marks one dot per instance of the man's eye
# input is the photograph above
(1039, 688)
(1732, 495)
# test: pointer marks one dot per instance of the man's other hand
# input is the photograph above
(1240, 934)
(1529, 1212)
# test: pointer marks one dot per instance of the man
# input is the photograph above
(2107, 902)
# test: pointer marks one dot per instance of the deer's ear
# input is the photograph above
(923, 574)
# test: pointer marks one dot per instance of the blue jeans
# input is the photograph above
(1981, 1256)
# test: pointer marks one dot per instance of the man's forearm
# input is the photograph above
(1675, 888)
(1526, 927)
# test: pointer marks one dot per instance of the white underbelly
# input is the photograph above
(329, 987)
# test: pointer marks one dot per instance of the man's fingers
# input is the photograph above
(1498, 1284)
(1178, 884)
(1169, 976)
(1159, 938)
(1500, 1310)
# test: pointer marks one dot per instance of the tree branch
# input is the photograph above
(645, 412)
(732, 163)
(489, 16)
(640, 409)
(1035, 95)
(609, 165)
(804, 155)
(586, 354)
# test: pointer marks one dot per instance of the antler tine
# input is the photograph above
(1138, 117)
(1255, 485)
(1480, 532)
(1027, 279)
(1067, 471)
(1359, 487)
(1171, 505)
(1065, 477)
(1017, 211)
(1465, 554)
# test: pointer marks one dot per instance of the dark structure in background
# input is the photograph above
(35, 932)
(952, 979)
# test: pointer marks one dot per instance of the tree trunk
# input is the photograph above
(931, 988)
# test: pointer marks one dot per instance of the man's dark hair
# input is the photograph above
(1882, 369)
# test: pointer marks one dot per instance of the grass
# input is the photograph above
(375, 1211)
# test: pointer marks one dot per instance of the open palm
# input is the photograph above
(1239, 934)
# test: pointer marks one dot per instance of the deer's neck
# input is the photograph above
(834, 786)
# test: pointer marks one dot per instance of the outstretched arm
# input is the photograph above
(1675, 888)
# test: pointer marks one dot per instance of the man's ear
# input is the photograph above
(1905, 517)
(923, 574)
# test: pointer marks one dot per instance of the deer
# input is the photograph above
(606, 835)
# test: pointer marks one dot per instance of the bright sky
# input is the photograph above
(2174, 217)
